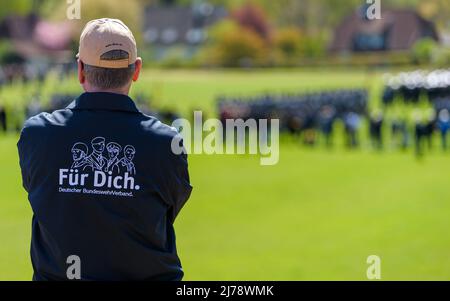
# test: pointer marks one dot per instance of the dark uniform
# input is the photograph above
(3, 119)
(116, 215)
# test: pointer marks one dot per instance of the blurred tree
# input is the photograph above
(422, 51)
(436, 10)
(131, 15)
(16, 7)
(47, 8)
(234, 46)
(288, 47)
(252, 17)
(314, 46)
(6, 52)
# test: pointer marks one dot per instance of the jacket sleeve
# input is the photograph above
(180, 184)
(177, 187)
(22, 147)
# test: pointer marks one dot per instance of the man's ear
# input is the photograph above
(137, 69)
(81, 77)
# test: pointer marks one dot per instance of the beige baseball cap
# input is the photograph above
(102, 35)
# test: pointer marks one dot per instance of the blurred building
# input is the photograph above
(179, 28)
(35, 39)
(34, 45)
(397, 30)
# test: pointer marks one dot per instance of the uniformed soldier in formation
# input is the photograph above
(375, 129)
(3, 126)
(443, 124)
(300, 115)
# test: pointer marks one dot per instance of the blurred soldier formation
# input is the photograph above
(414, 107)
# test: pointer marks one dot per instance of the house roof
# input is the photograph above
(168, 25)
(403, 27)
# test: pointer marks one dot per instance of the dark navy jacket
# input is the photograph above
(104, 185)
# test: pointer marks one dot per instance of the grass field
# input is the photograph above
(317, 215)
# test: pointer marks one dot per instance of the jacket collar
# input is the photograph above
(103, 101)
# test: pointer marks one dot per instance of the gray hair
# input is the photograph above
(110, 78)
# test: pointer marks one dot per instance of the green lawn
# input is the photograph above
(317, 215)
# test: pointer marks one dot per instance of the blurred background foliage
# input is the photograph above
(312, 15)
(256, 32)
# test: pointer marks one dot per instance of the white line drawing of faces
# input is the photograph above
(113, 160)
(96, 158)
(127, 161)
(79, 155)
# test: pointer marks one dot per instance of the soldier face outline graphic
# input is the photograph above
(129, 152)
(113, 150)
(98, 145)
(79, 151)
(115, 160)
